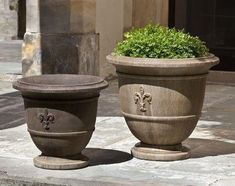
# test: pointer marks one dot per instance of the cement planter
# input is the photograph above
(161, 100)
(60, 113)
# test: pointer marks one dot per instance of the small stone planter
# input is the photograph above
(61, 114)
(161, 100)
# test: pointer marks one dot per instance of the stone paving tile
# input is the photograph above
(10, 68)
(10, 51)
(216, 95)
(5, 86)
(110, 160)
(224, 182)
(109, 104)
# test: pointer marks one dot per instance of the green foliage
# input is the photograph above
(154, 41)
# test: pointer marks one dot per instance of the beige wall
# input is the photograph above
(147, 11)
(109, 25)
(162, 12)
(128, 11)
(113, 17)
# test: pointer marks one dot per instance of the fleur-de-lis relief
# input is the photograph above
(46, 119)
(141, 98)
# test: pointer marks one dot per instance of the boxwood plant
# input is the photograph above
(155, 41)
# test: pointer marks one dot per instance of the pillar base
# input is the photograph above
(60, 54)
(160, 153)
(56, 163)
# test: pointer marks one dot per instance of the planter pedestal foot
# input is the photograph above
(160, 153)
(57, 163)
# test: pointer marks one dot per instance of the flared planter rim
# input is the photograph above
(164, 66)
(160, 62)
(60, 83)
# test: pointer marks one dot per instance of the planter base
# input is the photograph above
(160, 153)
(56, 163)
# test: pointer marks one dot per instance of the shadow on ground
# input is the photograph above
(109, 103)
(11, 110)
(105, 156)
(205, 147)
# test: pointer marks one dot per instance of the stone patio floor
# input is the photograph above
(212, 143)
(212, 162)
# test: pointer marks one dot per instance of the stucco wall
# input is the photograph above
(150, 11)
(109, 25)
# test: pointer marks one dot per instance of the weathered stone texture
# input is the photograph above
(83, 16)
(31, 54)
(107, 18)
(145, 12)
(88, 54)
(32, 16)
(61, 38)
(60, 54)
(54, 16)
(8, 19)
(64, 16)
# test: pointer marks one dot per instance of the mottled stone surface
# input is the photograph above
(61, 38)
(83, 16)
(33, 14)
(157, 12)
(10, 52)
(54, 53)
(64, 16)
(11, 109)
(110, 160)
(10, 60)
(8, 19)
(31, 54)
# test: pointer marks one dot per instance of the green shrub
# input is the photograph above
(154, 41)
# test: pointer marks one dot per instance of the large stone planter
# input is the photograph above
(161, 100)
(60, 114)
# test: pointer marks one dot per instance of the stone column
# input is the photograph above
(60, 38)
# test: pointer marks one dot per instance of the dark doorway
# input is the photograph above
(213, 21)
(21, 18)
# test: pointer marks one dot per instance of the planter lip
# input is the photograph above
(163, 67)
(161, 62)
(60, 83)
